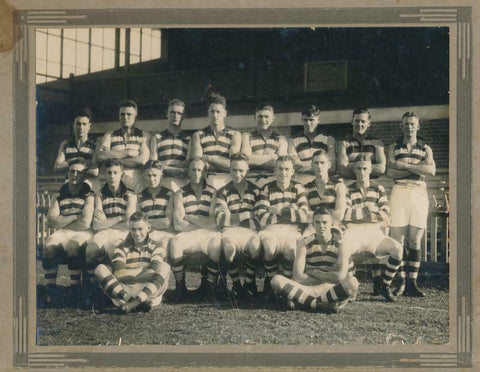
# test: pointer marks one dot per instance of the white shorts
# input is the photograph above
(63, 236)
(109, 238)
(174, 183)
(363, 237)
(239, 237)
(284, 236)
(161, 236)
(217, 181)
(133, 179)
(409, 206)
(133, 289)
(196, 241)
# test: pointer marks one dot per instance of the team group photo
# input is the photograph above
(242, 186)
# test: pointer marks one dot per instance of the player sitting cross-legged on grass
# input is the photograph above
(138, 276)
(71, 214)
(234, 213)
(366, 214)
(280, 208)
(322, 271)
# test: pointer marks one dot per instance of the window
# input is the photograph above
(78, 51)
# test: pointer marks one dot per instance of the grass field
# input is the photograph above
(368, 320)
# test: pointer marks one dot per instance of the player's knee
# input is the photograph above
(289, 253)
(92, 252)
(269, 248)
(253, 247)
(101, 271)
(175, 251)
(50, 251)
(414, 242)
(215, 248)
(397, 250)
(277, 282)
(72, 248)
(228, 249)
(350, 285)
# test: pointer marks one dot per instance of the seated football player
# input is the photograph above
(138, 275)
(303, 145)
(280, 208)
(155, 201)
(323, 191)
(114, 204)
(263, 145)
(198, 240)
(234, 213)
(216, 143)
(322, 271)
(367, 213)
(71, 214)
(171, 147)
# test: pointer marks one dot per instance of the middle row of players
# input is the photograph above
(240, 219)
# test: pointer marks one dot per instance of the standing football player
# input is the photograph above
(128, 145)
(410, 159)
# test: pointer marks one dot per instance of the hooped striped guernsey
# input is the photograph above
(373, 207)
(114, 204)
(327, 200)
(72, 205)
(259, 143)
(245, 207)
(172, 146)
(73, 153)
(150, 252)
(196, 207)
(217, 146)
(325, 260)
(416, 155)
(354, 147)
(293, 198)
(306, 148)
(154, 206)
(131, 142)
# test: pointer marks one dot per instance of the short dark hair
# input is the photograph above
(138, 216)
(321, 152)
(113, 163)
(83, 112)
(264, 106)
(78, 161)
(410, 114)
(128, 103)
(176, 102)
(311, 110)
(239, 156)
(321, 210)
(153, 164)
(361, 110)
(216, 98)
(364, 156)
(284, 158)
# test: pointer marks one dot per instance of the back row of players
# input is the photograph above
(148, 213)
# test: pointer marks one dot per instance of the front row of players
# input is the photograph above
(306, 256)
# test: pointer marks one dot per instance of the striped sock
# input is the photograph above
(75, 271)
(212, 267)
(334, 294)
(390, 270)
(178, 269)
(151, 288)
(51, 271)
(250, 272)
(112, 287)
(413, 263)
(297, 295)
(271, 268)
(376, 270)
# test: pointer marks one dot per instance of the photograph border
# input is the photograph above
(457, 353)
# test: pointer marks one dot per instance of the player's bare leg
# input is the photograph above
(394, 250)
(50, 267)
(214, 255)
(178, 268)
(413, 261)
(74, 252)
(271, 265)
(231, 258)
(253, 250)
(399, 234)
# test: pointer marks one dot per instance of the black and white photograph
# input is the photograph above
(277, 187)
